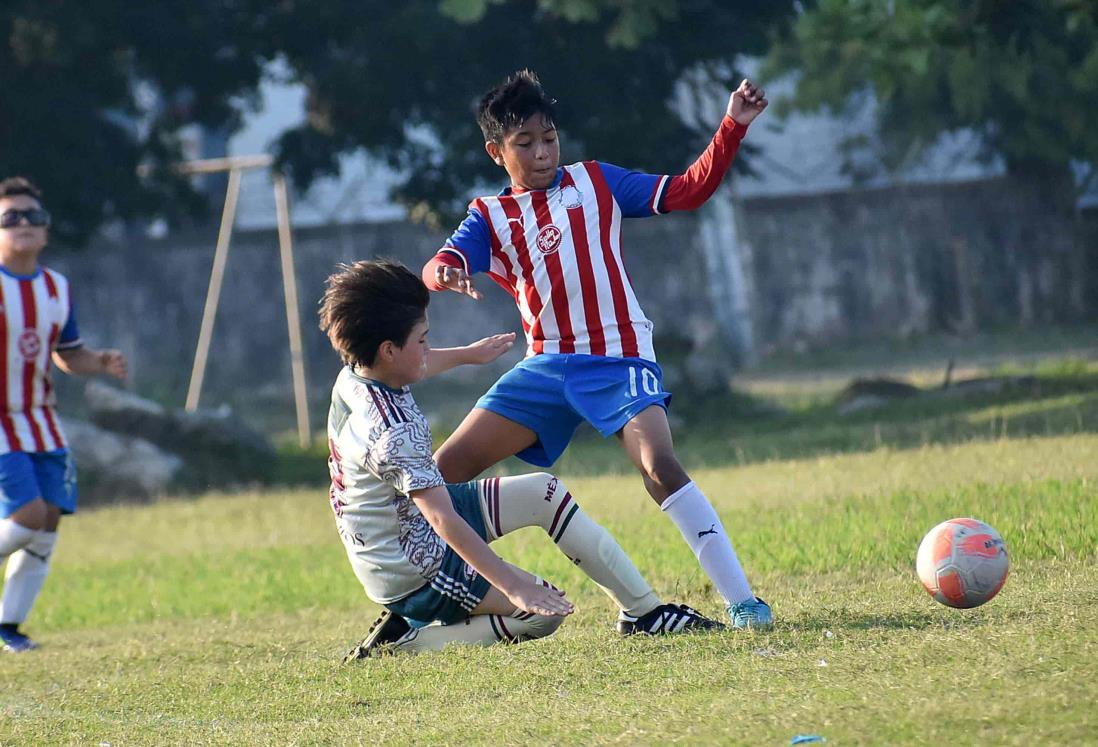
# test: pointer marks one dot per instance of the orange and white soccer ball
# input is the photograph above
(962, 563)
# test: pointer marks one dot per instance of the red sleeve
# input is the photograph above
(442, 259)
(688, 191)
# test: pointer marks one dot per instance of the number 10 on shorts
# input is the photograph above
(648, 382)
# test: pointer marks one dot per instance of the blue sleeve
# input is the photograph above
(472, 243)
(70, 334)
(636, 192)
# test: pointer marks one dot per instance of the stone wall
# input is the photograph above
(819, 269)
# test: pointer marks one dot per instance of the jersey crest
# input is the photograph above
(30, 344)
(548, 241)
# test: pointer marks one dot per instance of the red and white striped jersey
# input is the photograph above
(36, 318)
(558, 251)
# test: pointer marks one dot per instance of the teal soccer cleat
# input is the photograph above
(754, 613)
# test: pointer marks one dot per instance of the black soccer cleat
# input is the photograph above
(12, 641)
(389, 627)
(667, 618)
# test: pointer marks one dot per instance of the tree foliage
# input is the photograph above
(96, 87)
(403, 83)
(631, 21)
(1022, 75)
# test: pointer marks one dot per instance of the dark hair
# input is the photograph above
(511, 103)
(18, 185)
(369, 302)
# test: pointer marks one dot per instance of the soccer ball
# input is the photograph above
(962, 563)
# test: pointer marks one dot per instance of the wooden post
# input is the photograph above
(293, 322)
(213, 293)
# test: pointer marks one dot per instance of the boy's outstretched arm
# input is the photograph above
(437, 508)
(690, 190)
(480, 352)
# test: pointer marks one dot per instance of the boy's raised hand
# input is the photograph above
(488, 349)
(746, 102)
(539, 600)
(457, 280)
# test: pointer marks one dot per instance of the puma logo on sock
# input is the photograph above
(711, 530)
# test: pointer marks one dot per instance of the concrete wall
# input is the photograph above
(819, 269)
(904, 260)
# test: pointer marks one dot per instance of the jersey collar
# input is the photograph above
(520, 191)
(32, 276)
(373, 382)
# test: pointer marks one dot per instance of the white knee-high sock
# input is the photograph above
(479, 630)
(13, 536)
(541, 500)
(695, 517)
(27, 571)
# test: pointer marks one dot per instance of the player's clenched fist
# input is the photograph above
(746, 102)
(457, 280)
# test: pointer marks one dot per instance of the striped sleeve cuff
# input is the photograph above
(457, 253)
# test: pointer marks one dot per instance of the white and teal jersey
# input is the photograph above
(380, 452)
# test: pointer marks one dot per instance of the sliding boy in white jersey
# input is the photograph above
(552, 239)
(420, 546)
(37, 476)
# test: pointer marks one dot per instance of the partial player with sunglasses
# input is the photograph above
(37, 475)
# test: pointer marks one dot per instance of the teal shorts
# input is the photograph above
(456, 589)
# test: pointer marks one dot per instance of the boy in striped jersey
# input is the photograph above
(552, 239)
(37, 476)
(419, 546)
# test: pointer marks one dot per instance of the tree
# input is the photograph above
(634, 22)
(94, 88)
(403, 83)
(1022, 75)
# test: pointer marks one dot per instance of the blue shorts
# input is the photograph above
(552, 394)
(456, 589)
(26, 475)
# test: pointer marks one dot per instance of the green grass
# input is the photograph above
(221, 620)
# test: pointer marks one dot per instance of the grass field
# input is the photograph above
(221, 620)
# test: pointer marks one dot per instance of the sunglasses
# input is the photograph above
(35, 217)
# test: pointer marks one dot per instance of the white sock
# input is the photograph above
(479, 630)
(12, 537)
(693, 514)
(541, 500)
(27, 570)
